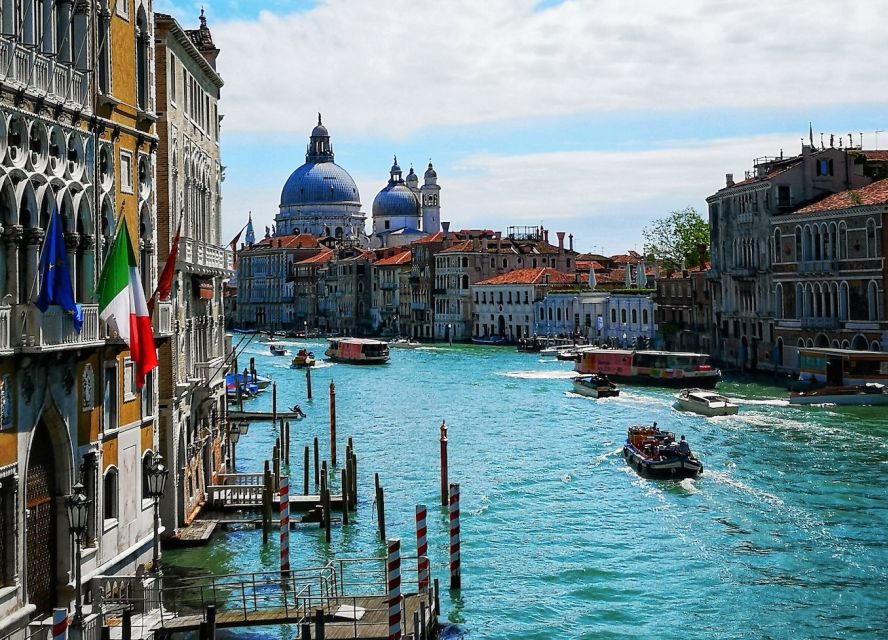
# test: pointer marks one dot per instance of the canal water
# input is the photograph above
(785, 534)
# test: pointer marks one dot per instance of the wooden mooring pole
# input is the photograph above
(266, 502)
(274, 402)
(305, 470)
(393, 580)
(380, 509)
(317, 467)
(444, 495)
(332, 424)
(308, 382)
(422, 549)
(211, 621)
(455, 578)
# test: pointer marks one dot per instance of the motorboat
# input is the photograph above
(656, 454)
(568, 355)
(706, 403)
(277, 351)
(303, 359)
(357, 351)
(870, 394)
(490, 340)
(247, 391)
(595, 386)
(404, 343)
(261, 382)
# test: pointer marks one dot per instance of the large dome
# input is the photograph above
(396, 200)
(320, 183)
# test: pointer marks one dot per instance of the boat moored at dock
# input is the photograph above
(706, 403)
(656, 454)
(357, 351)
(661, 368)
(870, 394)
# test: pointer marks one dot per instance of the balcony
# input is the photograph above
(819, 323)
(205, 258)
(417, 306)
(209, 371)
(386, 286)
(819, 266)
(42, 76)
(742, 272)
(163, 319)
(54, 330)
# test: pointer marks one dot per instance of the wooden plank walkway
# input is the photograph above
(262, 416)
(339, 623)
(196, 534)
(234, 497)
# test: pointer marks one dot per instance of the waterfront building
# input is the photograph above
(403, 212)
(267, 285)
(320, 197)
(420, 322)
(348, 293)
(388, 274)
(573, 312)
(309, 292)
(829, 274)
(192, 366)
(684, 311)
(504, 305)
(481, 255)
(77, 135)
(740, 216)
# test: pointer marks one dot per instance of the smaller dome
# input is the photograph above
(430, 172)
(395, 168)
(396, 201)
(320, 131)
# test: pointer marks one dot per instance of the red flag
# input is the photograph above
(165, 283)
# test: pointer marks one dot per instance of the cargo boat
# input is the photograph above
(655, 454)
(357, 351)
(661, 368)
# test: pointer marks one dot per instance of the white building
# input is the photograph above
(598, 316)
(404, 212)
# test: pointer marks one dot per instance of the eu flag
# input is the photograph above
(55, 278)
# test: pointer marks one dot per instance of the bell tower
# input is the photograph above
(431, 201)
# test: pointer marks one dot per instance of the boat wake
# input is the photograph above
(769, 402)
(539, 375)
(725, 479)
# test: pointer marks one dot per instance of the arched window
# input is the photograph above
(644, 316)
(542, 314)
(635, 316)
(778, 301)
(843, 301)
(109, 494)
(843, 241)
(872, 300)
(798, 244)
(147, 461)
(777, 249)
(465, 282)
(613, 316)
(623, 316)
(871, 251)
(558, 314)
(550, 314)
(87, 389)
(875, 346)
(142, 42)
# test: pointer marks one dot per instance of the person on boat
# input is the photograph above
(302, 353)
(683, 447)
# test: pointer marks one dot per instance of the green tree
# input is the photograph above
(675, 238)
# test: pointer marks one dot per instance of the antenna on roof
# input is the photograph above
(861, 139)
(821, 141)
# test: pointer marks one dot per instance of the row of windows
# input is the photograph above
(498, 297)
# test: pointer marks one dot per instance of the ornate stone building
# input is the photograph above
(192, 366)
(77, 135)
(404, 212)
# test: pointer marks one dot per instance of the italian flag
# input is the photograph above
(122, 304)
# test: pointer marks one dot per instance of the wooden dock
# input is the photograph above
(262, 416)
(196, 534)
(363, 617)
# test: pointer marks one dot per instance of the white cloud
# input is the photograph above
(390, 70)
(603, 198)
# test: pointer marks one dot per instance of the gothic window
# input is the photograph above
(147, 461)
(142, 60)
(777, 249)
(613, 316)
(635, 316)
(644, 317)
(623, 316)
(871, 238)
(87, 389)
(5, 402)
(109, 495)
(872, 299)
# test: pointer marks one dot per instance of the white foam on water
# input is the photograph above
(770, 402)
(539, 375)
(725, 479)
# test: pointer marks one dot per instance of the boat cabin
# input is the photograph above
(843, 367)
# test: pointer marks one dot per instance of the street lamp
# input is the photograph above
(450, 333)
(157, 477)
(77, 506)
(233, 437)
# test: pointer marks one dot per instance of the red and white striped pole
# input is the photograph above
(59, 624)
(393, 580)
(422, 548)
(285, 529)
(454, 536)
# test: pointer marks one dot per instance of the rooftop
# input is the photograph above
(395, 260)
(872, 194)
(301, 241)
(322, 258)
(530, 276)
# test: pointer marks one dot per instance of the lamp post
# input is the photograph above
(233, 437)
(450, 333)
(77, 507)
(157, 477)
(397, 326)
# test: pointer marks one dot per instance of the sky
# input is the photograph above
(594, 117)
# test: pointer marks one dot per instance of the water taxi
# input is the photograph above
(357, 351)
(656, 454)
(490, 340)
(661, 368)
(303, 359)
(595, 387)
(706, 403)
(404, 343)
(276, 350)
(869, 394)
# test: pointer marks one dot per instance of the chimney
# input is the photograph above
(546, 236)
(446, 227)
(484, 246)
(560, 241)
(729, 179)
(571, 239)
(701, 251)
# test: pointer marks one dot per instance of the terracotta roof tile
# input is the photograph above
(872, 194)
(875, 155)
(465, 245)
(435, 237)
(585, 265)
(530, 276)
(302, 241)
(391, 261)
(322, 258)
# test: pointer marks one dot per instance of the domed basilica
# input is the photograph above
(322, 199)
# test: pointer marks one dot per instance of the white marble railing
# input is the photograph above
(55, 328)
(163, 319)
(204, 254)
(209, 370)
(21, 66)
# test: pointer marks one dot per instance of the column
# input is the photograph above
(87, 277)
(80, 39)
(63, 30)
(33, 239)
(72, 242)
(12, 235)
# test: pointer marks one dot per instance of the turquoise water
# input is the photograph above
(785, 534)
